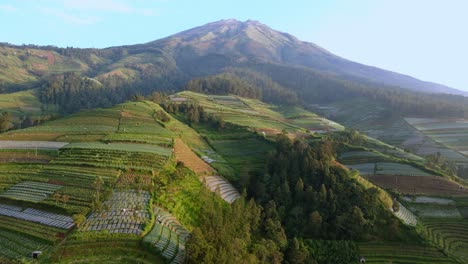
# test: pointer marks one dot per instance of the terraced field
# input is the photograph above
(402, 254)
(184, 154)
(125, 212)
(31, 191)
(406, 216)
(168, 237)
(105, 250)
(16, 246)
(223, 187)
(418, 185)
(448, 133)
(387, 168)
(450, 235)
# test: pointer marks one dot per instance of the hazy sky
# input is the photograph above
(426, 39)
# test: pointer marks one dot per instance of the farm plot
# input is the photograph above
(17, 246)
(428, 200)
(450, 235)
(37, 216)
(184, 154)
(115, 155)
(26, 156)
(406, 216)
(139, 138)
(418, 185)
(45, 233)
(402, 254)
(31, 191)
(125, 212)
(452, 133)
(168, 236)
(10, 144)
(387, 168)
(222, 187)
(434, 210)
(107, 250)
(360, 157)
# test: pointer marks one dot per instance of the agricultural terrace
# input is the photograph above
(114, 155)
(21, 103)
(125, 212)
(8, 144)
(168, 237)
(402, 254)
(243, 112)
(72, 186)
(184, 154)
(449, 234)
(242, 149)
(387, 168)
(222, 187)
(26, 155)
(305, 119)
(37, 216)
(18, 246)
(449, 133)
(406, 216)
(31, 191)
(84, 126)
(126, 250)
(418, 185)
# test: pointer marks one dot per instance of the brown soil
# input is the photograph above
(424, 185)
(184, 154)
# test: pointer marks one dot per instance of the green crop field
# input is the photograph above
(402, 254)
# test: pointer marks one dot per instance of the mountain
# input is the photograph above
(253, 40)
(225, 43)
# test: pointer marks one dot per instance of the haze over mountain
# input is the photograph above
(254, 40)
(225, 43)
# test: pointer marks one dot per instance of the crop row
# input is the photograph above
(15, 246)
(124, 212)
(402, 253)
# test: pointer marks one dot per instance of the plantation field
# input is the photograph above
(30, 191)
(387, 168)
(259, 116)
(22, 103)
(402, 254)
(406, 216)
(184, 154)
(448, 234)
(37, 216)
(418, 185)
(17, 246)
(104, 250)
(26, 156)
(125, 212)
(221, 186)
(168, 237)
(7, 144)
(450, 137)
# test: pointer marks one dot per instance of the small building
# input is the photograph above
(36, 254)
(362, 260)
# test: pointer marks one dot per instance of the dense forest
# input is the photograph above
(304, 208)
(277, 84)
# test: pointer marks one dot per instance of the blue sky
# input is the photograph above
(426, 39)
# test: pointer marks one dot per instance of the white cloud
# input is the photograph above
(8, 8)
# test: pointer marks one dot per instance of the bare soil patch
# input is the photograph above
(184, 154)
